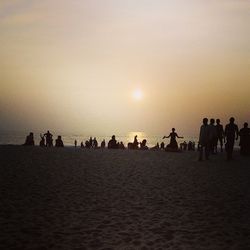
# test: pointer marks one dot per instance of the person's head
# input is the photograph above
(205, 121)
(245, 125)
(212, 121)
(231, 120)
(59, 137)
(173, 129)
(48, 131)
(113, 137)
(218, 121)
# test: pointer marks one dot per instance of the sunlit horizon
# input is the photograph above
(110, 67)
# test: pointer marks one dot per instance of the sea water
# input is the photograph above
(18, 138)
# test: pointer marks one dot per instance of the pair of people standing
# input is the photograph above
(210, 135)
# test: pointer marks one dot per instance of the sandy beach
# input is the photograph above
(53, 198)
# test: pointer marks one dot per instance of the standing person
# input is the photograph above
(220, 135)
(231, 134)
(204, 140)
(245, 140)
(212, 136)
(75, 142)
(49, 140)
(135, 143)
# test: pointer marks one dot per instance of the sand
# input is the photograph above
(70, 198)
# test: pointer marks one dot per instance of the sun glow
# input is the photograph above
(137, 94)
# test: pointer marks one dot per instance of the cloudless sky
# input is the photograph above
(73, 65)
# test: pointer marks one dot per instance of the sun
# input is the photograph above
(137, 94)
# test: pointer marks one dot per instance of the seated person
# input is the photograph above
(59, 142)
(143, 145)
(156, 147)
(112, 144)
(42, 142)
(103, 144)
(29, 140)
(121, 145)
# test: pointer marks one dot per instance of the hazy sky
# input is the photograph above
(73, 65)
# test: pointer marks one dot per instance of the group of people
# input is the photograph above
(46, 140)
(212, 136)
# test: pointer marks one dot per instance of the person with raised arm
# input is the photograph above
(173, 145)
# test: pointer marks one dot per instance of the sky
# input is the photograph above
(76, 66)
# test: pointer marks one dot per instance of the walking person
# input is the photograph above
(220, 136)
(231, 134)
(204, 140)
(245, 140)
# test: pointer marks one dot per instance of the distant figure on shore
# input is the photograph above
(95, 143)
(212, 136)
(156, 147)
(173, 145)
(204, 140)
(75, 142)
(59, 142)
(143, 145)
(103, 143)
(134, 144)
(29, 140)
(49, 139)
(245, 140)
(184, 145)
(162, 145)
(191, 146)
(42, 141)
(112, 144)
(82, 146)
(231, 134)
(121, 145)
(90, 142)
(220, 136)
(87, 144)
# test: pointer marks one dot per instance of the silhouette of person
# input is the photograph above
(29, 140)
(90, 142)
(173, 143)
(82, 146)
(112, 144)
(59, 142)
(42, 141)
(231, 134)
(87, 144)
(75, 142)
(245, 140)
(143, 145)
(204, 140)
(49, 140)
(162, 145)
(121, 145)
(220, 135)
(135, 143)
(103, 143)
(156, 147)
(212, 136)
(95, 143)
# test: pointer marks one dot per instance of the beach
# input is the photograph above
(72, 198)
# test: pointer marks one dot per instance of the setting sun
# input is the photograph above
(137, 94)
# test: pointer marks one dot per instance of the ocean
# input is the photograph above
(18, 138)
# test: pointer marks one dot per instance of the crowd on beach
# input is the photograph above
(211, 137)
